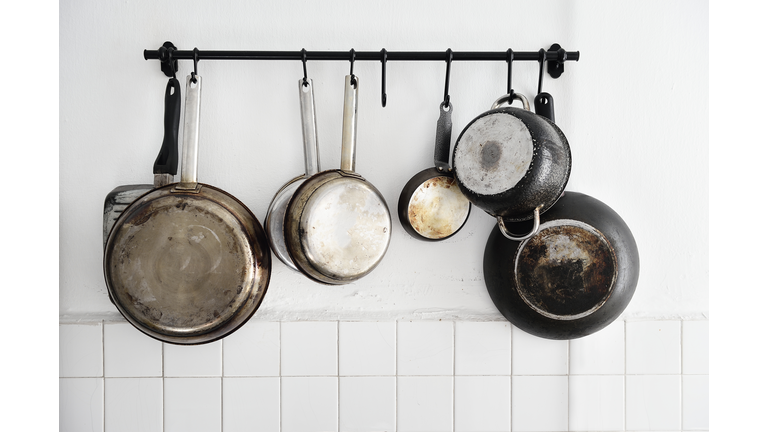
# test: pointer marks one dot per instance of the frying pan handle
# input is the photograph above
(443, 138)
(514, 237)
(349, 126)
(511, 98)
(167, 161)
(308, 127)
(191, 135)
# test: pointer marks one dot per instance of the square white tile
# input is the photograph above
(309, 404)
(133, 404)
(308, 348)
(81, 404)
(540, 403)
(130, 353)
(482, 404)
(425, 348)
(596, 403)
(367, 348)
(424, 403)
(601, 353)
(192, 404)
(696, 347)
(192, 361)
(653, 347)
(80, 350)
(367, 404)
(483, 348)
(251, 404)
(695, 402)
(653, 402)
(532, 355)
(253, 350)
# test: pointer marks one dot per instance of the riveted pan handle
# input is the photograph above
(515, 237)
(191, 135)
(349, 126)
(511, 98)
(443, 138)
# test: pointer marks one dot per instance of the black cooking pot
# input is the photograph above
(512, 163)
(572, 278)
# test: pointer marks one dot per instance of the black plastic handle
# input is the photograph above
(443, 138)
(544, 105)
(167, 161)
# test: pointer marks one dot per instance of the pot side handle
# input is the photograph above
(514, 237)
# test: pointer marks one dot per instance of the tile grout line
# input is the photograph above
(568, 384)
(221, 418)
(625, 375)
(397, 377)
(103, 380)
(511, 350)
(680, 401)
(338, 378)
(280, 376)
(453, 378)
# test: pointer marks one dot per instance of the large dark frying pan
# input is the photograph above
(512, 163)
(572, 278)
(187, 263)
(337, 226)
(431, 207)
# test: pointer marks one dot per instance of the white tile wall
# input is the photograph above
(387, 376)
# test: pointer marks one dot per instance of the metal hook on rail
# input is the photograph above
(510, 59)
(352, 67)
(383, 77)
(448, 60)
(195, 54)
(304, 65)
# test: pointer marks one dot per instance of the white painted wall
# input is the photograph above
(634, 109)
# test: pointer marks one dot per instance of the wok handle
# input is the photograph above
(167, 161)
(308, 127)
(443, 138)
(514, 237)
(349, 126)
(191, 135)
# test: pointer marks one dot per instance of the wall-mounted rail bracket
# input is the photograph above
(168, 63)
(556, 68)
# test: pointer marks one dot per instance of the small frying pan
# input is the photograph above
(276, 212)
(337, 226)
(165, 166)
(431, 206)
(187, 263)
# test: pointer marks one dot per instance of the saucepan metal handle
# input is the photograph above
(443, 138)
(191, 135)
(308, 127)
(511, 98)
(514, 237)
(349, 126)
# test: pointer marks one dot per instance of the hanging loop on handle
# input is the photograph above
(304, 65)
(515, 237)
(195, 55)
(383, 77)
(448, 60)
(510, 59)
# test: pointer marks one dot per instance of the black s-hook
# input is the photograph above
(383, 77)
(304, 65)
(195, 54)
(352, 67)
(510, 59)
(448, 60)
(543, 103)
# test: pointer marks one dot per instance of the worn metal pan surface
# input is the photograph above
(187, 263)
(337, 226)
(572, 278)
(165, 166)
(273, 223)
(431, 207)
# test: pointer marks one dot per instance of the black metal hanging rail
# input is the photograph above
(555, 57)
